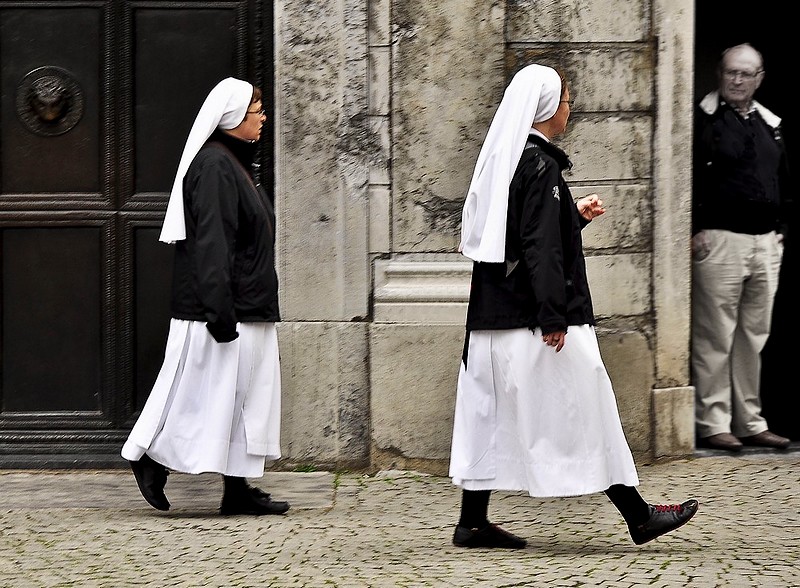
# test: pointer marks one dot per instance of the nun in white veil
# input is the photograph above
(216, 403)
(535, 408)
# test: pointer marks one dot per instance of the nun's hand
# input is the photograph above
(222, 333)
(590, 206)
(556, 339)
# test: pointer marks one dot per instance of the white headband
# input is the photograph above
(532, 96)
(224, 107)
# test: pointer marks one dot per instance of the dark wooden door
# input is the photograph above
(96, 100)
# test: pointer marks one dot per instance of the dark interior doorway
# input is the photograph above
(720, 24)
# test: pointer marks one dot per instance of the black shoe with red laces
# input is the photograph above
(663, 519)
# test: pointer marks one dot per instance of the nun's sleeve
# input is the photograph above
(214, 205)
(540, 236)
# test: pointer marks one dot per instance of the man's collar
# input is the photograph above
(711, 102)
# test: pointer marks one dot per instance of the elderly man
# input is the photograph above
(740, 195)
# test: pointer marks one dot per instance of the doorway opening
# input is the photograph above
(719, 25)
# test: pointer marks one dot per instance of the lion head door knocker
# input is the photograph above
(49, 101)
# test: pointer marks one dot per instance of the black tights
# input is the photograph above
(474, 508)
(234, 484)
(630, 504)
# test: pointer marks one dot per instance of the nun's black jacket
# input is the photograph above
(543, 281)
(224, 271)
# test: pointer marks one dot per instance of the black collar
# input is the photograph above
(562, 159)
(244, 151)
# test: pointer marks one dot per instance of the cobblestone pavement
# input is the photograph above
(394, 529)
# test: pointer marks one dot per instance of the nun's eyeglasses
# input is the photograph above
(570, 102)
(257, 112)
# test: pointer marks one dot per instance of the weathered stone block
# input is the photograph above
(600, 79)
(379, 22)
(379, 82)
(620, 284)
(605, 147)
(628, 222)
(414, 371)
(325, 379)
(447, 81)
(323, 148)
(379, 219)
(379, 172)
(628, 357)
(674, 432)
(544, 21)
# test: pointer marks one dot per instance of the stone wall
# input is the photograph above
(381, 107)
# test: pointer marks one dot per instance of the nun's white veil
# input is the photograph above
(532, 96)
(224, 107)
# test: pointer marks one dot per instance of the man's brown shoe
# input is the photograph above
(724, 441)
(766, 439)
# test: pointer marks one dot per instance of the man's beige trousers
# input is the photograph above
(734, 280)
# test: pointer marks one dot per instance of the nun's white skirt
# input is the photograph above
(528, 418)
(215, 407)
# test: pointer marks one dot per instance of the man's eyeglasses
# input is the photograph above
(732, 74)
(571, 102)
(256, 112)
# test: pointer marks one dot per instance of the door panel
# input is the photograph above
(151, 311)
(50, 99)
(169, 92)
(96, 100)
(51, 327)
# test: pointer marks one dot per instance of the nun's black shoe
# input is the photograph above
(151, 477)
(251, 501)
(663, 519)
(489, 536)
